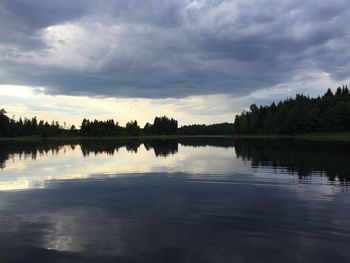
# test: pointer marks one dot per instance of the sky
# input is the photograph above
(197, 61)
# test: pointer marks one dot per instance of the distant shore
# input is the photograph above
(80, 138)
(339, 136)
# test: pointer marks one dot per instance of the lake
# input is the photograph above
(175, 200)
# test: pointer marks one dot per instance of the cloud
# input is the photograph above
(21, 101)
(70, 217)
(159, 49)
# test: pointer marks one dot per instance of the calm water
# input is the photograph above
(186, 200)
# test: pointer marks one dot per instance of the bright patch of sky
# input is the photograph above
(197, 61)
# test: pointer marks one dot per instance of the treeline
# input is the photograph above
(31, 127)
(161, 126)
(329, 113)
(202, 129)
(10, 127)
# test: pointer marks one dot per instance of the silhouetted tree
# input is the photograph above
(147, 129)
(132, 128)
(4, 123)
(164, 125)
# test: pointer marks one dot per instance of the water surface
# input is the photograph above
(184, 200)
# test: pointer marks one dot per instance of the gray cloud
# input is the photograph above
(159, 49)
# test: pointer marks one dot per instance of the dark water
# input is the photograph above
(186, 200)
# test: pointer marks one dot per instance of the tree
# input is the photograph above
(328, 94)
(132, 128)
(164, 125)
(148, 128)
(4, 123)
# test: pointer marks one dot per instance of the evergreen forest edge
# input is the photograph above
(329, 113)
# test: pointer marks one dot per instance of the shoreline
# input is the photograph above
(345, 136)
(338, 136)
(111, 138)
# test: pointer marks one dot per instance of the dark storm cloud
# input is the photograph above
(170, 48)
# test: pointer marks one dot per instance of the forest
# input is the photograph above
(161, 126)
(327, 113)
(10, 127)
(302, 114)
(203, 129)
